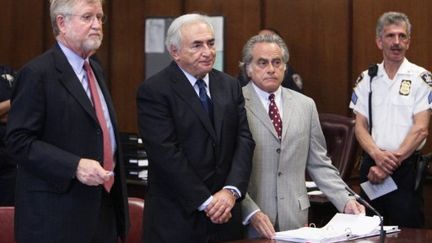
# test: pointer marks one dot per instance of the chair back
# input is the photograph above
(7, 225)
(342, 145)
(136, 210)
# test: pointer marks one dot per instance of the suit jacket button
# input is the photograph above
(279, 173)
(278, 150)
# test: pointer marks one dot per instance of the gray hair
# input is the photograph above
(64, 7)
(247, 56)
(174, 35)
(389, 18)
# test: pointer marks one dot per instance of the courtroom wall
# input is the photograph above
(330, 41)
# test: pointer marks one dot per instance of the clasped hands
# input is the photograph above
(91, 173)
(386, 163)
(219, 209)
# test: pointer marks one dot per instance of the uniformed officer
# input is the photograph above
(7, 166)
(400, 111)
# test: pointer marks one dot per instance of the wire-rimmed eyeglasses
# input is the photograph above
(89, 18)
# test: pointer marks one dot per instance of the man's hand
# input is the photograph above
(386, 160)
(91, 173)
(353, 207)
(261, 222)
(376, 175)
(219, 209)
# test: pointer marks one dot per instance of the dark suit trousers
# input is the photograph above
(107, 228)
(404, 206)
(7, 186)
(172, 225)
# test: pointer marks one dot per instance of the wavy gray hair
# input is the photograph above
(247, 56)
(174, 35)
(389, 18)
(63, 7)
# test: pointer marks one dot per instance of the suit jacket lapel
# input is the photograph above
(255, 106)
(185, 90)
(217, 95)
(71, 82)
(287, 111)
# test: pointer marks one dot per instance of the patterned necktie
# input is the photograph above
(108, 162)
(205, 100)
(274, 116)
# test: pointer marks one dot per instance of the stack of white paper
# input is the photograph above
(341, 227)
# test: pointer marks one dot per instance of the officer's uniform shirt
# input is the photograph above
(394, 102)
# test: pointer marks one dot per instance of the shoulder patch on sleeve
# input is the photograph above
(359, 79)
(427, 77)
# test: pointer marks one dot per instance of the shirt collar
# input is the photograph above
(74, 60)
(265, 95)
(192, 80)
(403, 69)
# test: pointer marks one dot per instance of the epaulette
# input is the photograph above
(359, 79)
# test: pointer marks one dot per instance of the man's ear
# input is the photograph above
(378, 42)
(174, 52)
(61, 23)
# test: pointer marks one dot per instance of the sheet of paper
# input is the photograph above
(377, 190)
(154, 36)
(308, 234)
(341, 227)
(315, 193)
(310, 184)
(143, 162)
(355, 224)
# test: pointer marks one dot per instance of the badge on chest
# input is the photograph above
(405, 87)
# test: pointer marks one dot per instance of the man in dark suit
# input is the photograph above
(194, 129)
(62, 132)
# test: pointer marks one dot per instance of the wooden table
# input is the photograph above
(405, 235)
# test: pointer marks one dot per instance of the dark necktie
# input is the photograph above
(108, 163)
(205, 100)
(274, 116)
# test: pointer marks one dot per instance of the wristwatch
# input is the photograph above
(234, 193)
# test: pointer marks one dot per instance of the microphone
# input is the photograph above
(373, 71)
(366, 204)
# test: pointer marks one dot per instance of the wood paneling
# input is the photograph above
(365, 15)
(318, 42)
(21, 25)
(330, 41)
(127, 52)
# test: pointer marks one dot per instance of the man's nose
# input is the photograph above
(270, 68)
(397, 39)
(206, 49)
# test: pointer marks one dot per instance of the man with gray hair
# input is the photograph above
(392, 102)
(289, 140)
(193, 124)
(62, 132)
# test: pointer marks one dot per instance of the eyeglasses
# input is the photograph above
(89, 18)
